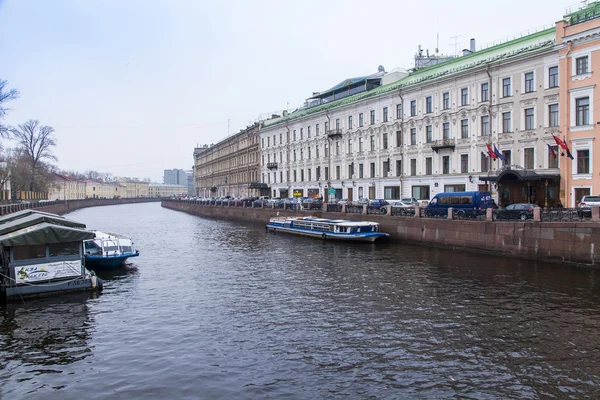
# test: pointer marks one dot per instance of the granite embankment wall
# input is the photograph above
(63, 207)
(567, 242)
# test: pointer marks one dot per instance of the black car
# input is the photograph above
(522, 211)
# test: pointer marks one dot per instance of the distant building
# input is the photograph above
(133, 189)
(175, 177)
(166, 190)
(191, 188)
(230, 167)
(64, 187)
(103, 190)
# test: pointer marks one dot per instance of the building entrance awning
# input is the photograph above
(517, 174)
(256, 185)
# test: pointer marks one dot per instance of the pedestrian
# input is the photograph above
(559, 204)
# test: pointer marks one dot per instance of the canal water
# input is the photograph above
(222, 310)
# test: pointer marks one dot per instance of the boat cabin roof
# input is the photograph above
(340, 222)
(108, 235)
(34, 219)
(44, 233)
(24, 213)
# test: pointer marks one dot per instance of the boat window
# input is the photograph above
(91, 245)
(29, 252)
(64, 249)
(126, 249)
(111, 248)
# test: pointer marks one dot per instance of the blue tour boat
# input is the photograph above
(338, 229)
(108, 250)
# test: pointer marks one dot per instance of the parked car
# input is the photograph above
(404, 207)
(312, 203)
(410, 200)
(466, 203)
(344, 201)
(361, 202)
(520, 211)
(584, 208)
(378, 203)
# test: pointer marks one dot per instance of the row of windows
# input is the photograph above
(582, 118)
(582, 157)
(529, 79)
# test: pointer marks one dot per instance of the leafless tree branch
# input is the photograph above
(5, 96)
(34, 148)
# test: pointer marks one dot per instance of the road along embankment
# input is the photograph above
(575, 243)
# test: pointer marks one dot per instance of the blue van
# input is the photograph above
(464, 203)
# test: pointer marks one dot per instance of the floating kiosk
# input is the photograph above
(42, 254)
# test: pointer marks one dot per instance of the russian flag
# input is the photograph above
(551, 149)
(491, 153)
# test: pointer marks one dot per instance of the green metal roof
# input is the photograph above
(518, 47)
(591, 11)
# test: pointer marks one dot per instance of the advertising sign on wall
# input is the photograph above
(47, 271)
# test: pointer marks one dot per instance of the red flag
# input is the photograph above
(559, 142)
(491, 152)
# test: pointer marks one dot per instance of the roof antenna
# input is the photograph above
(437, 43)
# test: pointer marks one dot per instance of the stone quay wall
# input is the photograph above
(576, 243)
(63, 207)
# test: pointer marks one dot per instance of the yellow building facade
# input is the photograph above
(166, 190)
(63, 187)
(133, 189)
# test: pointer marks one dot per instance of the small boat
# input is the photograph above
(41, 254)
(108, 250)
(338, 229)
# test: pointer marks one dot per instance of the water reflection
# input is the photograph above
(44, 336)
(124, 271)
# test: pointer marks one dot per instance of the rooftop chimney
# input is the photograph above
(472, 45)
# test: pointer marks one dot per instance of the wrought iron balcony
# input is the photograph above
(436, 145)
(334, 133)
(272, 165)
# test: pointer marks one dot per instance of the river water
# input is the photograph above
(221, 310)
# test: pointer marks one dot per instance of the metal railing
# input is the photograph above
(564, 214)
(546, 214)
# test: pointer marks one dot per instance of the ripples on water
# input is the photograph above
(220, 310)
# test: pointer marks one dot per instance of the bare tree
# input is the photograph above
(5, 96)
(34, 149)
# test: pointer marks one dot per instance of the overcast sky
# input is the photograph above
(131, 86)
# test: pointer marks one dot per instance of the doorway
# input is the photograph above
(579, 193)
(350, 194)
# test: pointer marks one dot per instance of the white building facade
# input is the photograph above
(428, 132)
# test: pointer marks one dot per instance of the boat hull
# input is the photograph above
(94, 262)
(18, 293)
(368, 237)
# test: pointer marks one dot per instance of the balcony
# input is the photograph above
(272, 165)
(437, 145)
(334, 133)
